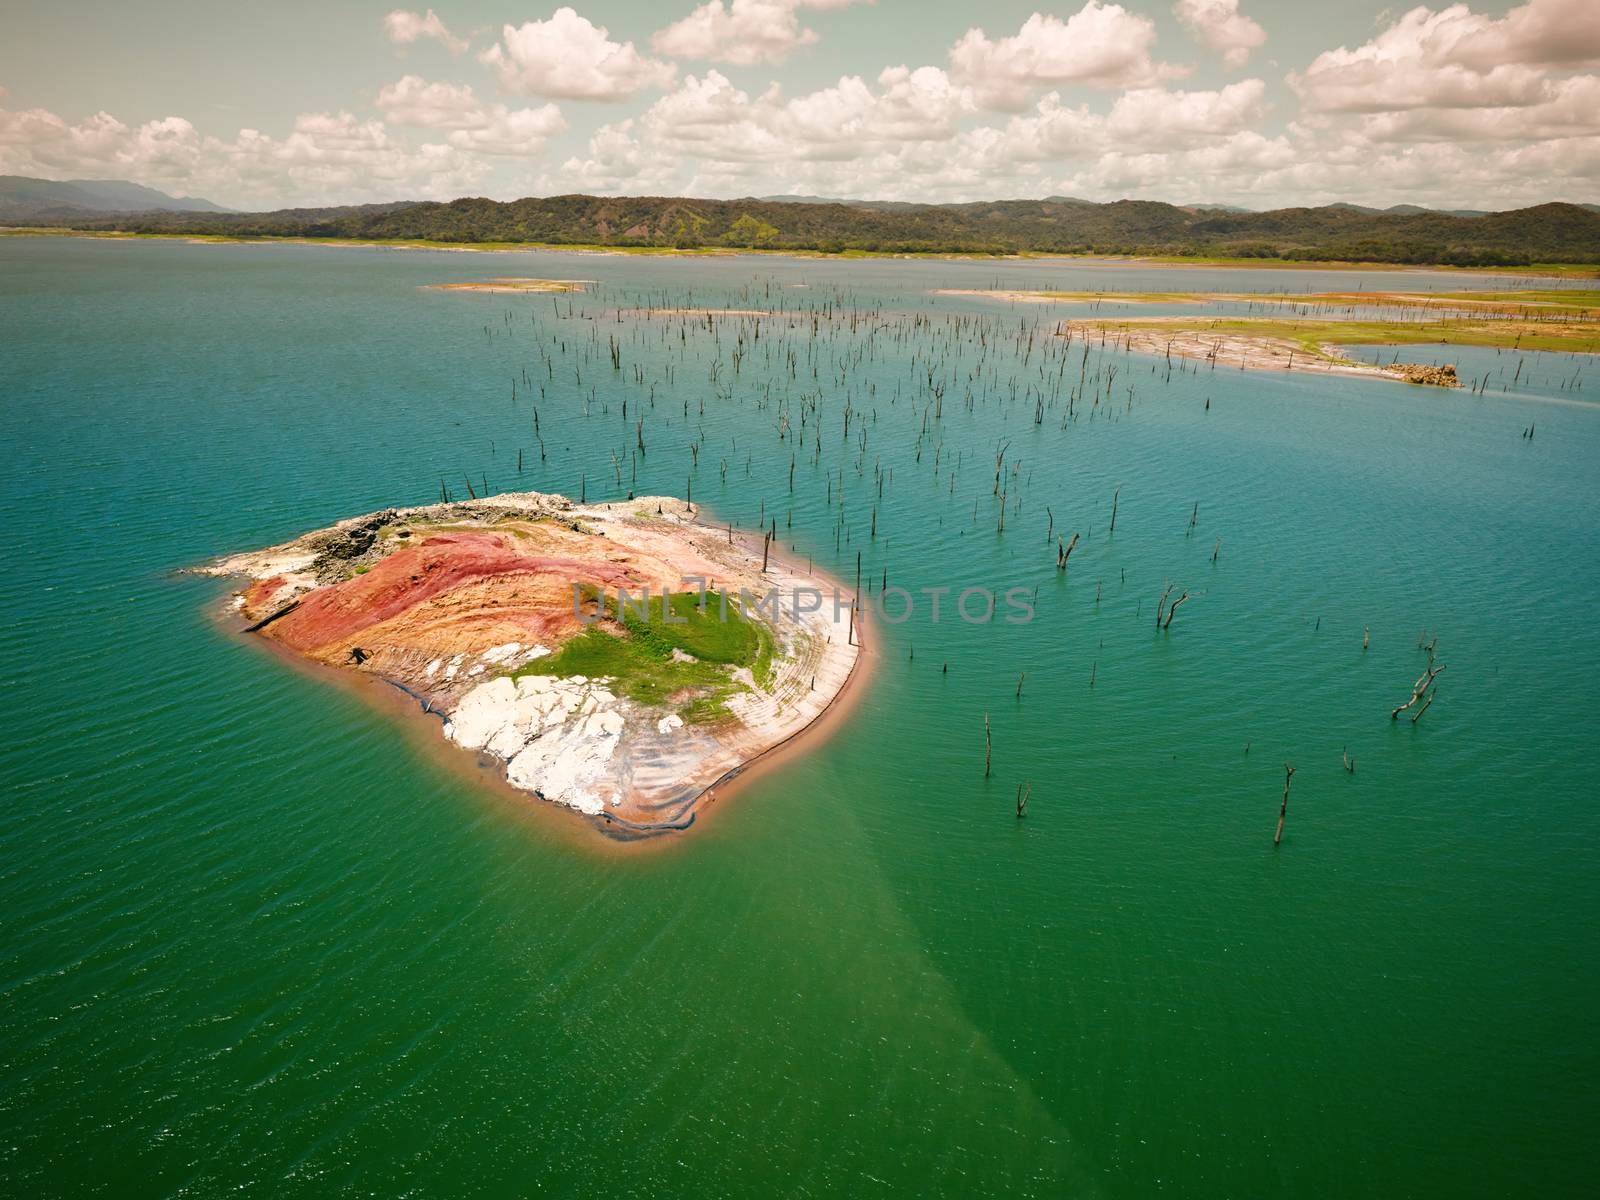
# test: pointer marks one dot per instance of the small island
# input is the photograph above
(621, 659)
(514, 284)
(1257, 345)
(1307, 332)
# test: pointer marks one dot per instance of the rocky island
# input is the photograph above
(619, 659)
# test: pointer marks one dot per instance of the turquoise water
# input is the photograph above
(258, 934)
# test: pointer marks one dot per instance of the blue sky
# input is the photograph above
(1251, 102)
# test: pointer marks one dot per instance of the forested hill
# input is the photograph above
(1548, 233)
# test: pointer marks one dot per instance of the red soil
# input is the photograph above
(260, 592)
(418, 574)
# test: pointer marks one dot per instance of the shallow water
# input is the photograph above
(259, 934)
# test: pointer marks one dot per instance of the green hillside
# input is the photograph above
(1548, 233)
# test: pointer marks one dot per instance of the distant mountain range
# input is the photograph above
(1549, 233)
(1397, 209)
(26, 199)
(891, 205)
(1411, 210)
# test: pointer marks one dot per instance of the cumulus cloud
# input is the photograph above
(1557, 33)
(521, 132)
(854, 138)
(1103, 45)
(617, 162)
(741, 32)
(1218, 25)
(902, 134)
(713, 119)
(339, 154)
(567, 57)
(1454, 58)
(326, 158)
(412, 100)
(405, 27)
(1443, 106)
(1175, 119)
(1146, 120)
(1571, 109)
(39, 128)
(472, 124)
(919, 105)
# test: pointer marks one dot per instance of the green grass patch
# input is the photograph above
(733, 639)
(1311, 336)
(1551, 270)
(637, 652)
(1578, 300)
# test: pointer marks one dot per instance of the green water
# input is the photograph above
(259, 937)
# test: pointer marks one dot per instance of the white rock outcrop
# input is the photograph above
(557, 736)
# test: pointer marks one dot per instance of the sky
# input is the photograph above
(1258, 103)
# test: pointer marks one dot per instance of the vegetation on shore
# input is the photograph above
(1555, 270)
(1564, 306)
(1573, 269)
(686, 664)
(1581, 304)
(1546, 234)
(1314, 335)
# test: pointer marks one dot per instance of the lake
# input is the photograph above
(260, 933)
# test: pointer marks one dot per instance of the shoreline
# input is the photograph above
(507, 284)
(1552, 306)
(1023, 296)
(819, 728)
(1320, 336)
(402, 713)
(1247, 351)
(1063, 258)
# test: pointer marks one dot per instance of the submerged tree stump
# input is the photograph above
(1419, 690)
(1283, 809)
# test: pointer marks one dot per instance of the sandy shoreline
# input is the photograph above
(1247, 352)
(761, 313)
(828, 721)
(1017, 296)
(508, 284)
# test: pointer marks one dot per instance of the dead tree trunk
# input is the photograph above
(1418, 691)
(1425, 705)
(850, 634)
(1064, 552)
(1174, 609)
(1283, 809)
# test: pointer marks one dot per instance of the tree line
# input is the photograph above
(1548, 233)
